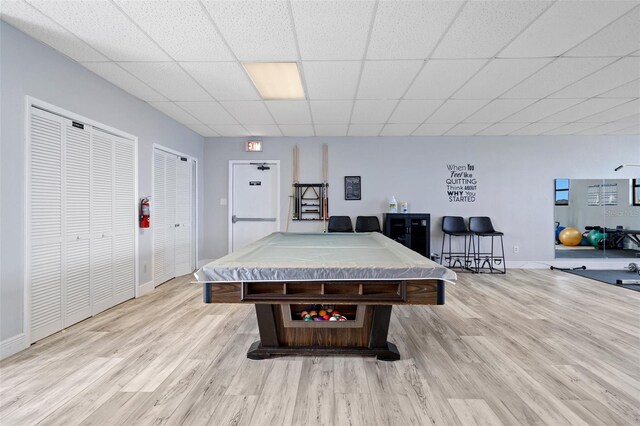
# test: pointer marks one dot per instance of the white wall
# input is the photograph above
(28, 67)
(515, 179)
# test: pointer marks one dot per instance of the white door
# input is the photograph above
(183, 234)
(254, 202)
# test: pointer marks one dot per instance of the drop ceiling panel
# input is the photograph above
(263, 129)
(29, 20)
(610, 77)
(255, 31)
(175, 112)
(398, 129)
(168, 79)
(331, 129)
(396, 75)
(254, 112)
(432, 129)
(634, 118)
(331, 79)
(190, 36)
(632, 130)
(230, 130)
(224, 80)
(331, 112)
(605, 129)
(409, 29)
(500, 129)
(499, 76)
(103, 27)
(440, 79)
(564, 25)
(372, 111)
(498, 110)
(614, 40)
(555, 76)
(455, 111)
(123, 79)
(297, 129)
(203, 130)
(332, 30)
(571, 129)
(582, 110)
(629, 90)
(364, 129)
(541, 109)
(615, 113)
(483, 28)
(466, 129)
(414, 111)
(536, 129)
(289, 112)
(210, 113)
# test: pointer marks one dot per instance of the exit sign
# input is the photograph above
(253, 146)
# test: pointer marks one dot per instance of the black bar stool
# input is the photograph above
(367, 224)
(481, 226)
(454, 226)
(340, 224)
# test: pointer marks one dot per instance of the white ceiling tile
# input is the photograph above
(615, 113)
(466, 129)
(440, 79)
(297, 129)
(409, 29)
(364, 129)
(414, 111)
(203, 130)
(396, 75)
(610, 77)
(570, 129)
(498, 109)
(226, 81)
(29, 20)
(499, 76)
(254, 112)
(210, 113)
(564, 25)
(455, 111)
(536, 129)
(501, 129)
(331, 129)
(485, 27)
(331, 112)
(230, 130)
(633, 118)
(263, 129)
(541, 109)
(290, 112)
(432, 129)
(632, 130)
(332, 29)
(331, 79)
(168, 79)
(256, 31)
(555, 76)
(581, 110)
(398, 129)
(121, 78)
(618, 39)
(181, 28)
(629, 90)
(101, 24)
(606, 129)
(175, 112)
(372, 111)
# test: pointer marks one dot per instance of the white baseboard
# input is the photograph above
(570, 263)
(12, 345)
(203, 262)
(145, 288)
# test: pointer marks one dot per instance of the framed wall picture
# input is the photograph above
(352, 188)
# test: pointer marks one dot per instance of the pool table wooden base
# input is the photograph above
(388, 353)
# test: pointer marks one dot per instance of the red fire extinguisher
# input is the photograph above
(145, 213)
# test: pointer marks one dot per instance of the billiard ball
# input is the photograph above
(325, 317)
(312, 313)
(303, 313)
(308, 318)
(322, 313)
(333, 319)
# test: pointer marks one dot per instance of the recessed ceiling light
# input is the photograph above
(276, 80)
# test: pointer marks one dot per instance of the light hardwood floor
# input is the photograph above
(531, 347)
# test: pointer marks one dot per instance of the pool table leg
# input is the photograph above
(379, 332)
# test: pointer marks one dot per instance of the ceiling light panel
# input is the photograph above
(564, 25)
(124, 80)
(297, 129)
(541, 109)
(254, 112)
(276, 80)
(364, 129)
(387, 79)
(31, 21)
(332, 30)
(105, 28)
(498, 109)
(289, 112)
(582, 110)
(498, 76)
(409, 29)
(175, 112)
(181, 28)
(331, 112)
(455, 111)
(168, 79)
(331, 79)
(255, 31)
(485, 27)
(441, 78)
(414, 111)
(617, 39)
(331, 129)
(432, 129)
(372, 111)
(225, 81)
(210, 113)
(610, 77)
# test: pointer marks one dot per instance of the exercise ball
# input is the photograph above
(594, 237)
(570, 236)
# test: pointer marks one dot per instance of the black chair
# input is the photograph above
(481, 227)
(367, 224)
(454, 226)
(340, 224)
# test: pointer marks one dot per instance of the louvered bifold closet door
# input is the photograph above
(124, 216)
(45, 221)
(158, 219)
(102, 198)
(77, 246)
(184, 210)
(170, 215)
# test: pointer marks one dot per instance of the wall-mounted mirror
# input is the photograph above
(597, 218)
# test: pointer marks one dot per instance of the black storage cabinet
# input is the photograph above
(412, 230)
